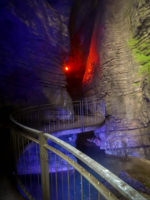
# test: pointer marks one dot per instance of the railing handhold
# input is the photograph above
(85, 114)
(44, 168)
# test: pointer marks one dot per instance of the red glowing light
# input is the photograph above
(66, 68)
(92, 60)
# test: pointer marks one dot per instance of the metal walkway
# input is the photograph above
(56, 168)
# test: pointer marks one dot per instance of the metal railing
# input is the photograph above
(49, 168)
(51, 118)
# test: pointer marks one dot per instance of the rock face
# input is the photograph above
(118, 83)
(81, 25)
(34, 40)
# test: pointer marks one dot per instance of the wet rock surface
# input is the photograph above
(117, 81)
(135, 184)
(34, 40)
(136, 172)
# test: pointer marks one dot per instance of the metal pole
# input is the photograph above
(82, 116)
(68, 181)
(44, 168)
(62, 179)
(56, 183)
(81, 187)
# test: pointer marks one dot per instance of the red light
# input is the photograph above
(66, 68)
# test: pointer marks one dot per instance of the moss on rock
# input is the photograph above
(141, 53)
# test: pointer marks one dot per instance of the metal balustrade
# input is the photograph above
(49, 168)
(51, 118)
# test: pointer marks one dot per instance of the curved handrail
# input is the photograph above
(79, 114)
(31, 130)
(117, 183)
(123, 188)
(99, 186)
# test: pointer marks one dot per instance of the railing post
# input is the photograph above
(82, 116)
(44, 168)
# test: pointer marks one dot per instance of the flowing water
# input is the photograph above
(65, 182)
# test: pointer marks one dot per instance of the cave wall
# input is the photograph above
(82, 20)
(34, 40)
(118, 82)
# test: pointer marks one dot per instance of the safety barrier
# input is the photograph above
(49, 168)
(51, 118)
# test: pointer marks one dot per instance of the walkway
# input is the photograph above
(78, 125)
(50, 152)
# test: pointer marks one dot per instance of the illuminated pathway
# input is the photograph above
(48, 168)
(81, 124)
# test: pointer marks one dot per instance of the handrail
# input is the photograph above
(123, 188)
(31, 130)
(99, 186)
(116, 182)
(38, 107)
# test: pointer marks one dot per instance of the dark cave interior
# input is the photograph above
(59, 51)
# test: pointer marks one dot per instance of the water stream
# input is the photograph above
(65, 182)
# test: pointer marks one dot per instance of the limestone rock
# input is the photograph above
(119, 84)
(34, 41)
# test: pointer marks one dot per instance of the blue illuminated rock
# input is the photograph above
(34, 41)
